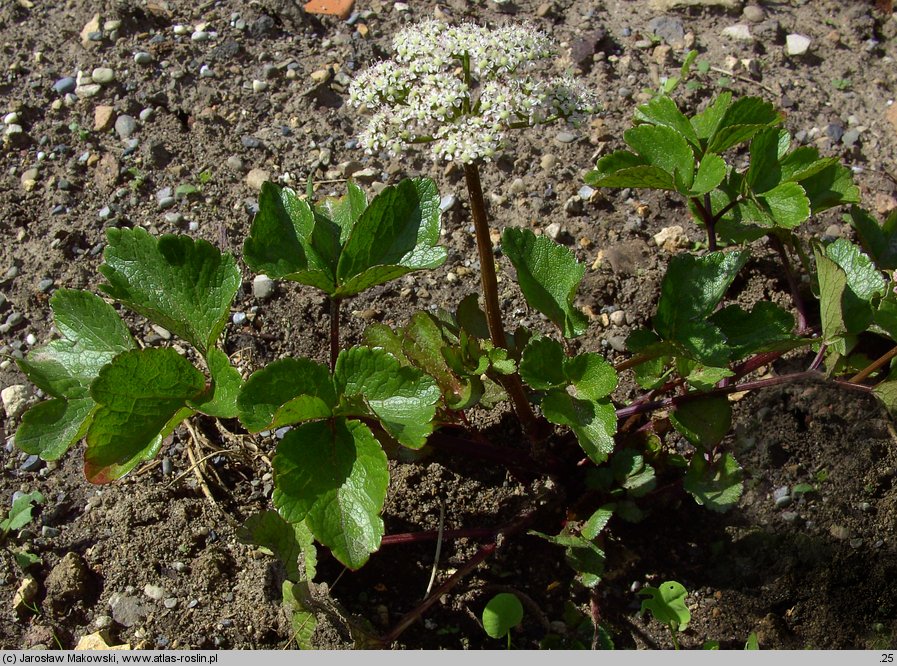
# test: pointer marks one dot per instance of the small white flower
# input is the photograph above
(461, 88)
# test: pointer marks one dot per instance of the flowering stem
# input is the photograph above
(511, 383)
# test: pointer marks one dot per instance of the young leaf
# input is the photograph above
(592, 376)
(830, 187)
(396, 234)
(542, 364)
(287, 391)
(765, 171)
(711, 172)
(742, 120)
(549, 276)
(786, 206)
(142, 396)
(593, 423)
(401, 397)
(663, 111)
(20, 512)
(50, 427)
(503, 612)
(667, 604)
(268, 530)
(832, 289)
(280, 240)
(765, 328)
(182, 284)
(333, 475)
(706, 122)
(703, 422)
(221, 400)
(716, 485)
(863, 278)
(666, 149)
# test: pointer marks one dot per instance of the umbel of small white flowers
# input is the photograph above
(461, 88)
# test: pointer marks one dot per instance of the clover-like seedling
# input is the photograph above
(667, 604)
(503, 612)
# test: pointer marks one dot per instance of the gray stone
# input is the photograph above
(103, 75)
(447, 202)
(238, 318)
(262, 287)
(665, 5)
(125, 126)
(235, 162)
(154, 592)
(668, 28)
(32, 464)
(165, 198)
(850, 138)
(143, 58)
(88, 90)
(65, 85)
(565, 137)
(126, 610)
(753, 13)
(740, 32)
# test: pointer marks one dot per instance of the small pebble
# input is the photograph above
(200, 36)
(565, 137)
(103, 75)
(262, 287)
(796, 45)
(125, 126)
(143, 58)
(238, 318)
(65, 85)
(259, 86)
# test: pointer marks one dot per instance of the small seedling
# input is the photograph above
(503, 612)
(667, 604)
(21, 513)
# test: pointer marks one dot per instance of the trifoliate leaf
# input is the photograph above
(268, 530)
(183, 284)
(591, 375)
(142, 396)
(662, 110)
(287, 391)
(503, 612)
(667, 604)
(786, 205)
(716, 485)
(371, 382)
(221, 401)
(333, 475)
(703, 422)
(396, 234)
(593, 423)
(549, 276)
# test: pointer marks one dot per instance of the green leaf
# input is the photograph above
(185, 285)
(879, 241)
(268, 530)
(706, 122)
(863, 278)
(764, 328)
(667, 604)
(503, 612)
(542, 364)
(20, 511)
(832, 289)
(786, 205)
(142, 396)
(287, 391)
(765, 171)
(549, 276)
(221, 400)
(689, 293)
(279, 237)
(298, 601)
(592, 376)
(396, 234)
(830, 187)
(632, 473)
(886, 391)
(333, 475)
(715, 485)
(703, 422)
(643, 176)
(51, 427)
(741, 121)
(704, 378)
(344, 211)
(663, 111)
(803, 162)
(593, 423)
(93, 334)
(666, 149)
(711, 172)
(402, 398)
(753, 642)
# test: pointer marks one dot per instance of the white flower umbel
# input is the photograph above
(461, 89)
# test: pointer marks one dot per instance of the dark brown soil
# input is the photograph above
(819, 573)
